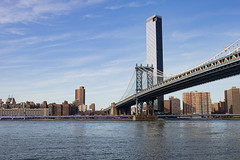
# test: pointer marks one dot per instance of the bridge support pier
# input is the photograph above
(113, 110)
(120, 111)
(128, 110)
(149, 107)
(139, 107)
(123, 111)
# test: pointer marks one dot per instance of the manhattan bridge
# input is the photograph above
(148, 83)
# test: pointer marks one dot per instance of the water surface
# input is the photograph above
(120, 140)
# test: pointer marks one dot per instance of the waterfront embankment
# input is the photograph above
(121, 118)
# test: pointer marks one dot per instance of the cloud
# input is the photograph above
(68, 38)
(36, 39)
(25, 11)
(180, 36)
(14, 31)
(115, 7)
(11, 67)
(123, 61)
(231, 34)
(91, 16)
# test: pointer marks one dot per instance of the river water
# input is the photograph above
(219, 139)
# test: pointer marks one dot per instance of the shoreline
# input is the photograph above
(109, 118)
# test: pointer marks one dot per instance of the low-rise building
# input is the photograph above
(24, 112)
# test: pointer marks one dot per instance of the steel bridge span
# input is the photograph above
(223, 67)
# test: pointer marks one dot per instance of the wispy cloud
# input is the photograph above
(115, 7)
(14, 31)
(231, 34)
(25, 11)
(184, 36)
(36, 39)
(91, 16)
(123, 61)
(71, 37)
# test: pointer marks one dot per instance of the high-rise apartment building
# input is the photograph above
(187, 103)
(232, 100)
(172, 106)
(196, 103)
(80, 95)
(155, 52)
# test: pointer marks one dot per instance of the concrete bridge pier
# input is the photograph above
(113, 109)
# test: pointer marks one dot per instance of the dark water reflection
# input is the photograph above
(119, 140)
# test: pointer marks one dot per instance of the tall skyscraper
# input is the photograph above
(155, 52)
(80, 95)
(196, 103)
(232, 100)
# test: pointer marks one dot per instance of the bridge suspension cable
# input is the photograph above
(234, 47)
(229, 50)
(159, 73)
(130, 88)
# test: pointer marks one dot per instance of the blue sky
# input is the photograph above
(51, 47)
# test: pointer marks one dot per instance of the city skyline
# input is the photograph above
(80, 94)
(50, 48)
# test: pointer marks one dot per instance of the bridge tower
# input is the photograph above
(140, 70)
(155, 52)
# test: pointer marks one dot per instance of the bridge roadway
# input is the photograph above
(220, 68)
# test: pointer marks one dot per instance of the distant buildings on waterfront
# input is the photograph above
(80, 96)
(232, 100)
(29, 108)
(172, 106)
(219, 107)
(196, 103)
(200, 103)
(192, 103)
